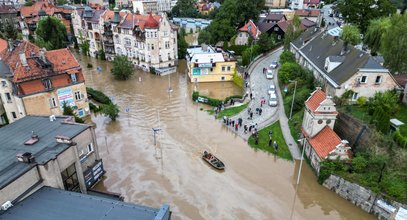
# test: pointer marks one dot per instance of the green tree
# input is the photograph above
(394, 44)
(289, 71)
(375, 32)
(359, 163)
(51, 33)
(265, 42)
(204, 37)
(220, 30)
(185, 8)
(29, 3)
(110, 110)
(350, 35)
(182, 44)
(382, 107)
(287, 57)
(68, 110)
(84, 45)
(290, 34)
(249, 54)
(10, 31)
(122, 68)
(360, 12)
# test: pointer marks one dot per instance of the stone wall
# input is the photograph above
(349, 128)
(363, 198)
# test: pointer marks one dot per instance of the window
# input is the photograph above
(355, 96)
(8, 97)
(167, 44)
(211, 60)
(240, 35)
(363, 79)
(52, 102)
(125, 31)
(378, 80)
(73, 77)
(320, 121)
(4, 83)
(155, 34)
(127, 42)
(78, 95)
(47, 83)
(276, 28)
(223, 68)
(328, 121)
(90, 148)
(14, 115)
(70, 179)
(152, 46)
(169, 56)
(228, 68)
(148, 46)
(222, 78)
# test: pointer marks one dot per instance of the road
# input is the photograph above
(325, 10)
(259, 86)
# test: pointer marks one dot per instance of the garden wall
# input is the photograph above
(349, 128)
(365, 199)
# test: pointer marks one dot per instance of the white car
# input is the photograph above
(272, 89)
(273, 100)
(274, 64)
(269, 74)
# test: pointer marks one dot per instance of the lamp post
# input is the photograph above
(292, 103)
(299, 175)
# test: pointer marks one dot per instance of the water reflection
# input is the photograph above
(255, 185)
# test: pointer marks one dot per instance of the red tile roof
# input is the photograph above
(253, 29)
(401, 79)
(315, 99)
(151, 22)
(311, 1)
(62, 60)
(324, 142)
(29, 11)
(3, 45)
(307, 13)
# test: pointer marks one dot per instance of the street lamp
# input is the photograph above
(302, 158)
(292, 103)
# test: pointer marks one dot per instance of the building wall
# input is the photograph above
(275, 3)
(39, 104)
(87, 158)
(242, 38)
(312, 156)
(19, 186)
(369, 88)
(15, 104)
(215, 75)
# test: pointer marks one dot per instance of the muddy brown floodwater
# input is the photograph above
(255, 185)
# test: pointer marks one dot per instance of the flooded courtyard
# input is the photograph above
(254, 185)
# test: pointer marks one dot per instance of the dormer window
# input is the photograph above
(363, 79)
(73, 77)
(47, 83)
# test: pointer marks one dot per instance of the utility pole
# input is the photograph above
(292, 103)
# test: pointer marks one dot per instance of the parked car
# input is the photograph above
(273, 100)
(269, 74)
(274, 64)
(272, 89)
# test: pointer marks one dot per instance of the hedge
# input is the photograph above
(212, 101)
(98, 96)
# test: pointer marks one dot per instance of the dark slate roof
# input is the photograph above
(49, 204)
(13, 136)
(323, 46)
(305, 37)
(264, 27)
(4, 70)
(274, 17)
(336, 58)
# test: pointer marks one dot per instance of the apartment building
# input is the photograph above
(147, 40)
(53, 151)
(38, 82)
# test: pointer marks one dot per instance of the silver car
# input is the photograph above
(272, 89)
(273, 100)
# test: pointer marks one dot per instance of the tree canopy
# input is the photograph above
(394, 44)
(185, 8)
(182, 44)
(266, 42)
(360, 12)
(350, 35)
(374, 34)
(122, 68)
(51, 34)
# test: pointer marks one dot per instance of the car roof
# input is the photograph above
(273, 95)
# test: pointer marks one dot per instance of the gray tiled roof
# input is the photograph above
(324, 45)
(13, 136)
(50, 203)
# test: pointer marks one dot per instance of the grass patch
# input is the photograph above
(283, 150)
(228, 112)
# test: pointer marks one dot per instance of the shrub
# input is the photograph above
(238, 49)
(111, 110)
(122, 68)
(359, 163)
(98, 96)
(287, 57)
(68, 110)
(93, 107)
(361, 101)
(400, 139)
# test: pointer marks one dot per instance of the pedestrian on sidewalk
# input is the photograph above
(275, 146)
(270, 134)
(250, 128)
(236, 127)
(261, 103)
(255, 126)
(249, 110)
(251, 95)
(270, 142)
(257, 110)
(224, 119)
(245, 128)
(257, 140)
(260, 110)
(240, 120)
(251, 115)
(232, 123)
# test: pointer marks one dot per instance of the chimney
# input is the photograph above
(26, 157)
(42, 55)
(23, 59)
(10, 45)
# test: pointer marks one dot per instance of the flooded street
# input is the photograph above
(254, 185)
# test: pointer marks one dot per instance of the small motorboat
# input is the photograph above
(213, 161)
